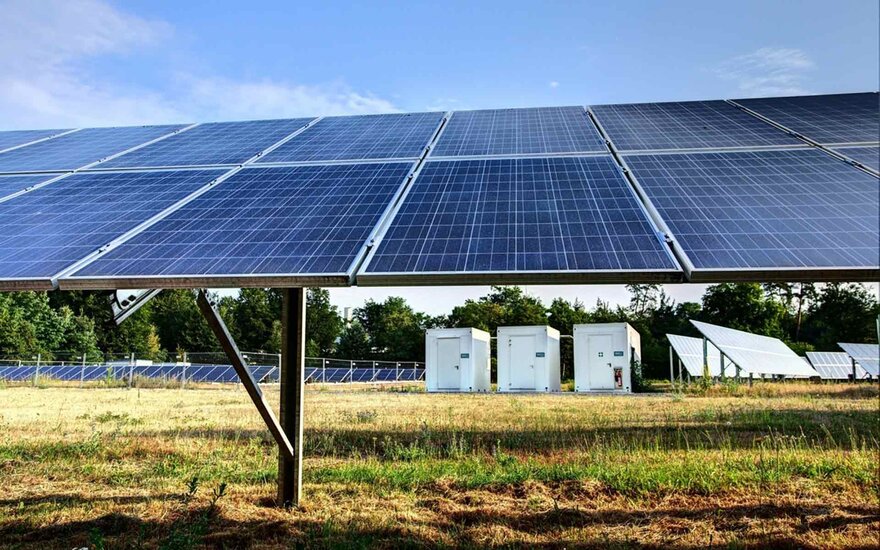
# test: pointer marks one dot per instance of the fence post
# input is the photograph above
(37, 369)
(130, 369)
(323, 371)
(351, 372)
(82, 372)
(750, 379)
(397, 372)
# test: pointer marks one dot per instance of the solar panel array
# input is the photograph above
(540, 130)
(47, 230)
(15, 138)
(78, 149)
(397, 136)
(686, 125)
(690, 351)
(263, 221)
(866, 355)
(755, 353)
(826, 119)
(556, 214)
(781, 209)
(217, 143)
(506, 195)
(834, 365)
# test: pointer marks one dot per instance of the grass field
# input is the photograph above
(782, 465)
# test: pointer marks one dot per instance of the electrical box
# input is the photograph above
(528, 359)
(457, 360)
(603, 357)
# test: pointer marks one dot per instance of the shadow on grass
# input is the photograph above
(454, 520)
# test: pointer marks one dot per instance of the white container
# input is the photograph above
(528, 359)
(457, 360)
(603, 356)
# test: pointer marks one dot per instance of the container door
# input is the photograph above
(448, 366)
(599, 346)
(522, 362)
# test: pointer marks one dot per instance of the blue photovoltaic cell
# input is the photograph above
(519, 131)
(15, 138)
(768, 209)
(835, 118)
(360, 137)
(78, 149)
(686, 125)
(869, 156)
(211, 144)
(527, 214)
(270, 221)
(14, 184)
(48, 229)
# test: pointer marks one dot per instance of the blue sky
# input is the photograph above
(70, 63)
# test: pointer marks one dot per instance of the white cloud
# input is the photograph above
(768, 71)
(554, 84)
(46, 47)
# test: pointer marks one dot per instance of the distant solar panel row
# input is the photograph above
(519, 131)
(78, 149)
(827, 119)
(686, 125)
(15, 138)
(211, 144)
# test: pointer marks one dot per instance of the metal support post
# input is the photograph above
(217, 325)
(293, 362)
(853, 369)
(671, 373)
(82, 372)
(722, 365)
(750, 379)
(130, 369)
(705, 354)
(351, 372)
(37, 368)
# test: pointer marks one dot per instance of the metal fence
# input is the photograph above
(264, 368)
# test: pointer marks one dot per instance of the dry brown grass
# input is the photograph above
(782, 465)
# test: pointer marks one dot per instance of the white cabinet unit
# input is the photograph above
(528, 359)
(457, 360)
(603, 355)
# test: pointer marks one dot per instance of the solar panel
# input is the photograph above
(686, 125)
(518, 131)
(14, 138)
(867, 356)
(280, 222)
(211, 144)
(78, 149)
(397, 136)
(869, 156)
(547, 216)
(834, 365)
(690, 351)
(45, 231)
(765, 210)
(834, 118)
(755, 353)
(14, 184)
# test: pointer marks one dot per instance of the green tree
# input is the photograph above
(180, 325)
(394, 330)
(843, 312)
(503, 306)
(323, 323)
(253, 318)
(743, 306)
(354, 342)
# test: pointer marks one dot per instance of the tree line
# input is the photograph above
(65, 325)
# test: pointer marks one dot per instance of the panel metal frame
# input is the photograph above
(451, 114)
